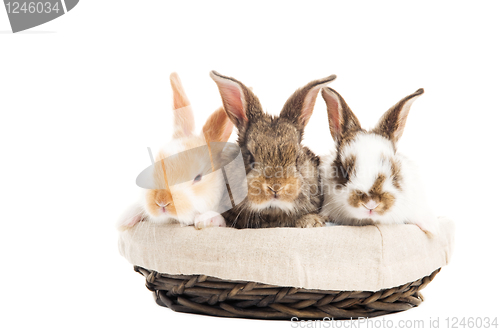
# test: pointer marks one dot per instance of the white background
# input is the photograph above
(82, 97)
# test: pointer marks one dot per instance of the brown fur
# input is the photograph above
(304, 98)
(357, 197)
(274, 157)
(344, 125)
(392, 123)
(343, 171)
(396, 173)
(385, 200)
(376, 193)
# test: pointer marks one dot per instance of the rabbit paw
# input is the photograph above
(311, 220)
(209, 219)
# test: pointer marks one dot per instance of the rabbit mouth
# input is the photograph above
(162, 206)
(371, 208)
(369, 211)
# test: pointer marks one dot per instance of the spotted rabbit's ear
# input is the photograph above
(341, 119)
(299, 107)
(240, 104)
(392, 123)
(183, 114)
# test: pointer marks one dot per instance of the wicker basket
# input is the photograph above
(338, 272)
(216, 297)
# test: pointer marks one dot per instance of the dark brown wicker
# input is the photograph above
(216, 297)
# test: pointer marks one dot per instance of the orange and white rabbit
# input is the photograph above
(185, 188)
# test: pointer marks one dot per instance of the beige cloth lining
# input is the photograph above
(367, 258)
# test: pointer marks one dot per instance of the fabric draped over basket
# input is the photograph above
(367, 258)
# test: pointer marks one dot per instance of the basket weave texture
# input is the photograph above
(216, 297)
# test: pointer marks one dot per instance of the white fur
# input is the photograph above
(200, 205)
(209, 219)
(173, 147)
(367, 148)
(131, 216)
(274, 203)
(410, 205)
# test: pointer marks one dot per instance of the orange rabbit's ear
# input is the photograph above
(183, 114)
(218, 128)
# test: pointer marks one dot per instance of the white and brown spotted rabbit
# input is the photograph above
(366, 180)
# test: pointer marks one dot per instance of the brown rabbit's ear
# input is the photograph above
(183, 114)
(240, 104)
(392, 123)
(299, 107)
(340, 117)
(218, 128)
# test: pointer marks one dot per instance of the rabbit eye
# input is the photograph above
(344, 173)
(251, 159)
(197, 178)
(347, 176)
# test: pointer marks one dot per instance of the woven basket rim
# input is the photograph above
(213, 296)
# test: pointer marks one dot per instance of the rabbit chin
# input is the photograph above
(362, 216)
(368, 216)
(161, 218)
(274, 204)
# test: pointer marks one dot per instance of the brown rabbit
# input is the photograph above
(282, 175)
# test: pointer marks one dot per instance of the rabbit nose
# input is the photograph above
(274, 191)
(162, 204)
(371, 205)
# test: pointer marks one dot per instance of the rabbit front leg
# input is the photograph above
(209, 219)
(310, 220)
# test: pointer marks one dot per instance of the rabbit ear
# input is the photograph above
(240, 104)
(218, 128)
(183, 114)
(299, 107)
(392, 123)
(340, 117)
